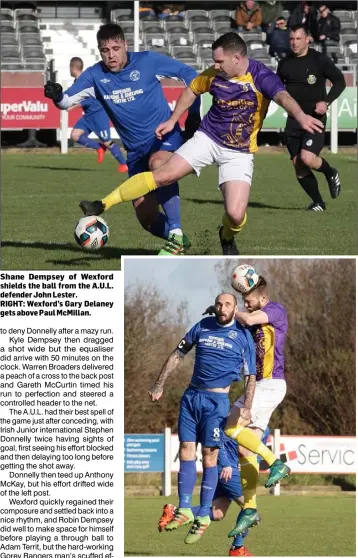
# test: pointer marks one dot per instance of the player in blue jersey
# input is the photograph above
(94, 120)
(224, 350)
(127, 84)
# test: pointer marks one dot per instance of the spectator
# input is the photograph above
(279, 39)
(329, 28)
(166, 10)
(248, 16)
(305, 13)
(271, 10)
(145, 10)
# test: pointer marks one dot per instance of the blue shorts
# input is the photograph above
(231, 489)
(201, 417)
(138, 160)
(97, 123)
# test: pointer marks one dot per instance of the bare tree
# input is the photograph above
(152, 331)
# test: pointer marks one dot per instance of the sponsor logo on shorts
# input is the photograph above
(134, 75)
(311, 78)
(167, 143)
(309, 142)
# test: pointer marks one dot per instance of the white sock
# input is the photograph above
(176, 231)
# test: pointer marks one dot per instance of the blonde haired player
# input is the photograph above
(267, 321)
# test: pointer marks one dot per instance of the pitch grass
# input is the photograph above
(291, 526)
(40, 195)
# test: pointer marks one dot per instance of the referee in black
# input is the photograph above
(304, 72)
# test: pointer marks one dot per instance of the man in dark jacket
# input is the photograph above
(279, 39)
(306, 14)
(329, 28)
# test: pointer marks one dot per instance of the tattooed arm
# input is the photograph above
(307, 122)
(250, 384)
(170, 365)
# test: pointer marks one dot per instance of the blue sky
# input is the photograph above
(193, 280)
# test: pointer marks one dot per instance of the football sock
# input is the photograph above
(310, 185)
(325, 168)
(229, 229)
(117, 153)
(87, 142)
(245, 437)
(160, 227)
(208, 486)
(238, 541)
(133, 188)
(186, 482)
(168, 198)
(249, 476)
(195, 510)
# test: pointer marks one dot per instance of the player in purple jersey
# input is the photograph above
(242, 89)
(94, 120)
(267, 321)
(127, 84)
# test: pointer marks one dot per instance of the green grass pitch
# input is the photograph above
(290, 526)
(41, 191)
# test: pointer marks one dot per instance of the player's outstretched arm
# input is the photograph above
(307, 122)
(170, 365)
(250, 385)
(185, 101)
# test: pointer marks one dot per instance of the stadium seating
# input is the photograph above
(59, 32)
(20, 40)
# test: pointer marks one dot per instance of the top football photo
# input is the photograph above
(166, 129)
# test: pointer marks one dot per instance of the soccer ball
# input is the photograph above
(91, 232)
(244, 278)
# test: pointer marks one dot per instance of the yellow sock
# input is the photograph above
(245, 437)
(131, 189)
(249, 476)
(230, 229)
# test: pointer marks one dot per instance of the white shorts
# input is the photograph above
(201, 151)
(268, 395)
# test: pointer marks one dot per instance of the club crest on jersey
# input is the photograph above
(134, 75)
(311, 79)
(232, 334)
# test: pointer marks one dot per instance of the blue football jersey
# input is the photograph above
(223, 354)
(133, 98)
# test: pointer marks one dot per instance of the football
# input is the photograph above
(91, 232)
(244, 278)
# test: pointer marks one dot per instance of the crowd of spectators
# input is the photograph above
(266, 16)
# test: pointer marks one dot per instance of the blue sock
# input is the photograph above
(208, 486)
(117, 153)
(168, 198)
(186, 483)
(238, 540)
(161, 227)
(87, 142)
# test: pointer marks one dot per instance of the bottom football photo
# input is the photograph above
(239, 406)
